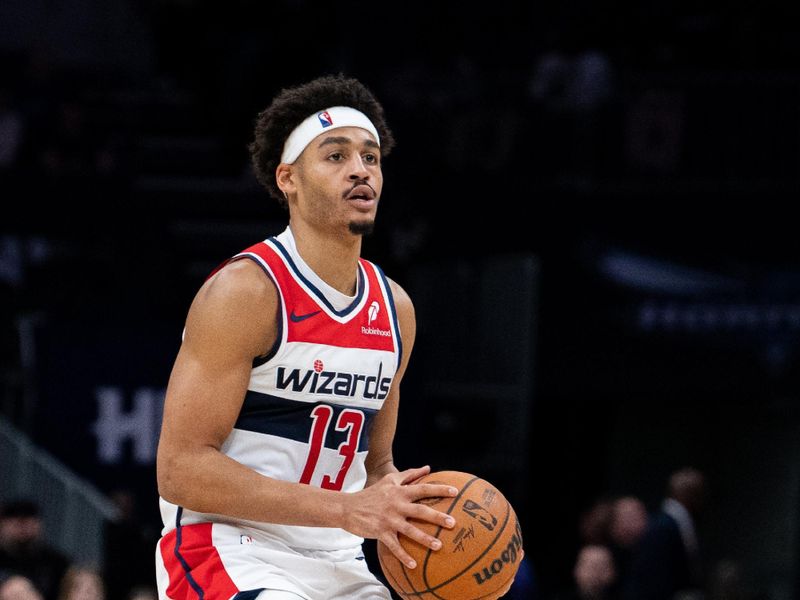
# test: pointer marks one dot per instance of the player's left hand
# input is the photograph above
(383, 511)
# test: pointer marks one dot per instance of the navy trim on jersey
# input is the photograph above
(320, 296)
(291, 419)
(394, 313)
(187, 570)
(260, 360)
(249, 594)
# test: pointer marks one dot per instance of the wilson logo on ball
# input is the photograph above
(509, 555)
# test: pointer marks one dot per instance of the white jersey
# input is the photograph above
(310, 402)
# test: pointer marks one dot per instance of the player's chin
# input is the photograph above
(361, 226)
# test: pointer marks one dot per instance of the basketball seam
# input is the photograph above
(492, 595)
(423, 593)
(390, 575)
(439, 530)
(489, 547)
(414, 591)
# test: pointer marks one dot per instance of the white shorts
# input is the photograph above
(215, 561)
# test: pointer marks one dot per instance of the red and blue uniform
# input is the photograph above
(305, 418)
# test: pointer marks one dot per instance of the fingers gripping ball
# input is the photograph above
(479, 557)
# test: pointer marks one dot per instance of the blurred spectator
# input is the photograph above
(594, 524)
(81, 583)
(481, 116)
(129, 548)
(24, 550)
(17, 587)
(572, 84)
(627, 525)
(594, 575)
(548, 83)
(628, 521)
(667, 560)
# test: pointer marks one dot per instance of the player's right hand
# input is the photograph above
(382, 511)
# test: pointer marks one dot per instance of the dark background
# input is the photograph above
(642, 159)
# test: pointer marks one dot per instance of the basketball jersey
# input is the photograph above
(310, 402)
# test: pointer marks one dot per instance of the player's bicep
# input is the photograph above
(203, 400)
(231, 321)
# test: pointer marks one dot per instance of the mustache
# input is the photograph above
(357, 184)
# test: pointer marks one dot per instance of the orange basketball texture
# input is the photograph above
(478, 557)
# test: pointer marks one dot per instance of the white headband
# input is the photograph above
(330, 118)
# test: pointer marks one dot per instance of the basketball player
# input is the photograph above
(275, 457)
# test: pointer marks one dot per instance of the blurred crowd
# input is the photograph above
(52, 125)
(628, 552)
(32, 568)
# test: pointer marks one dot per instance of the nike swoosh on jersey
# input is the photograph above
(297, 318)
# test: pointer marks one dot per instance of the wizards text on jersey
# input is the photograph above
(346, 385)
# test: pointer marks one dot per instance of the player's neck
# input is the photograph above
(333, 257)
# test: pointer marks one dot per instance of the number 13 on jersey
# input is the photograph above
(349, 421)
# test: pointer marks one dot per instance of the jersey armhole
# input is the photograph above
(389, 298)
(264, 358)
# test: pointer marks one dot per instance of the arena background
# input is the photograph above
(591, 209)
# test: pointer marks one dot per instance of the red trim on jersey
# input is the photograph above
(321, 328)
(203, 561)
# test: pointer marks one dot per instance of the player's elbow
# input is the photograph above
(169, 476)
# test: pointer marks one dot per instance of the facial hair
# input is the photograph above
(361, 227)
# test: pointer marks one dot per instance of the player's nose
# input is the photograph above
(358, 168)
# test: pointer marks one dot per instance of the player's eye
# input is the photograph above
(371, 158)
(336, 156)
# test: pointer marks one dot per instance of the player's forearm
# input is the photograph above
(207, 481)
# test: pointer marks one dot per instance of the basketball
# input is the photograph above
(479, 557)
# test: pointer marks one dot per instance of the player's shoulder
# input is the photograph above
(232, 314)
(240, 282)
(402, 301)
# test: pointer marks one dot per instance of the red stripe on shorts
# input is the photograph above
(194, 565)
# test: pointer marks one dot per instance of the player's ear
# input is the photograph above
(285, 176)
